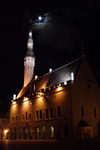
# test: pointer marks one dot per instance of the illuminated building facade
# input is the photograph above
(62, 104)
(4, 126)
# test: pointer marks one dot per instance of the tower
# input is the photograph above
(29, 61)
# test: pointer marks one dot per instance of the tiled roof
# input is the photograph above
(55, 77)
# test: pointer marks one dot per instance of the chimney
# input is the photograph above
(36, 76)
(50, 70)
(14, 96)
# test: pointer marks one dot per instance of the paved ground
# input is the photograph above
(50, 145)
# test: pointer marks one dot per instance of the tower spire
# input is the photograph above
(29, 61)
(30, 45)
(30, 41)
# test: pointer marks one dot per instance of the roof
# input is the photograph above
(30, 53)
(53, 78)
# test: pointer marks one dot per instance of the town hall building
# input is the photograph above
(62, 104)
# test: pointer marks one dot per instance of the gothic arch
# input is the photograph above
(43, 134)
(30, 133)
(36, 132)
(24, 133)
(66, 131)
(51, 132)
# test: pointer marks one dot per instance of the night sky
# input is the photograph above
(57, 39)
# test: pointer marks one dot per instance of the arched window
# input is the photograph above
(24, 133)
(51, 132)
(43, 136)
(66, 131)
(10, 133)
(20, 133)
(30, 133)
(36, 133)
(15, 133)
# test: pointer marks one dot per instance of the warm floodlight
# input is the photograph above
(5, 131)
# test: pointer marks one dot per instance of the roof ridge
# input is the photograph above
(57, 68)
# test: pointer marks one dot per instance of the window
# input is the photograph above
(29, 116)
(46, 113)
(58, 111)
(40, 114)
(12, 118)
(95, 112)
(51, 113)
(82, 111)
(16, 118)
(26, 115)
(2, 121)
(22, 117)
(37, 115)
(5, 122)
(88, 86)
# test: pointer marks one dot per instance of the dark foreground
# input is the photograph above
(50, 145)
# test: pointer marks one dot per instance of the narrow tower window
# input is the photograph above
(16, 118)
(95, 112)
(40, 114)
(22, 117)
(29, 116)
(26, 115)
(37, 115)
(58, 111)
(46, 113)
(82, 110)
(51, 113)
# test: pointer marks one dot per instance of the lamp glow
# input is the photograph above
(40, 94)
(14, 102)
(25, 99)
(5, 131)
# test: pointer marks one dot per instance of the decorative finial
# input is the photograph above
(30, 41)
(30, 34)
